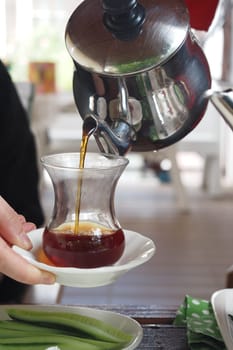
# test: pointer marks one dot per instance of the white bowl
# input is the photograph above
(138, 250)
(122, 322)
(223, 306)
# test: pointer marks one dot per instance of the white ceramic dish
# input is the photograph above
(138, 250)
(222, 302)
(122, 322)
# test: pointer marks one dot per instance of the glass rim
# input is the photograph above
(46, 161)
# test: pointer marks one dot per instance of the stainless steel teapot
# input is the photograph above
(140, 75)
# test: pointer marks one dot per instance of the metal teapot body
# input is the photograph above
(161, 104)
(144, 94)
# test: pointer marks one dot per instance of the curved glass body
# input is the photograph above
(83, 230)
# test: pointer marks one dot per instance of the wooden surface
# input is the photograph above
(193, 250)
(163, 337)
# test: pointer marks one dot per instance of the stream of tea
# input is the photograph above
(88, 130)
(76, 244)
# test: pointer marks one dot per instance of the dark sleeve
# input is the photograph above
(19, 175)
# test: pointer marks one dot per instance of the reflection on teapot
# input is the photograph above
(145, 91)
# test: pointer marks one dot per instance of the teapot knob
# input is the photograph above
(123, 18)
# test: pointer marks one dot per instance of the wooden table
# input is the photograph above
(158, 331)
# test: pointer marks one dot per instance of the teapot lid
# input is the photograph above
(163, 28)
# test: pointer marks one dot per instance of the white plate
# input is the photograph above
(138, 250)
(122, 322)
(222, 302)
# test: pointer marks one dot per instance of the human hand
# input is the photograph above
(13, 230)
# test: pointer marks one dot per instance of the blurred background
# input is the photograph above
(33, 31)
(181, 196)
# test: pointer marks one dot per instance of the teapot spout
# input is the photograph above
(114, 139)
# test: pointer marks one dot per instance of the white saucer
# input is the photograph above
(223, 306)
(122, 322)
(138, 250)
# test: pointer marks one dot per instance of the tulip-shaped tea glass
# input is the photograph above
(83, 230)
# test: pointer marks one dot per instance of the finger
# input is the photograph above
(28, 226)
(12, 226)
(21, 218)
(19, 269)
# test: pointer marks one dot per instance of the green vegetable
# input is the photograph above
(14, 327)
(63, 341)
(18, 326)
(92, 327)
(27, 347)
(38, 330)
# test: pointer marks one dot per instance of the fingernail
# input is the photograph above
(25, 241)
(48, 278)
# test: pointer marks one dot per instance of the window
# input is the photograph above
(33, 30)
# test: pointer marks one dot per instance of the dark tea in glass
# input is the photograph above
(93, 246)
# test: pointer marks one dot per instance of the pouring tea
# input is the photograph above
(141, 82)
(83, 231)
(91, 236)
(140, 73)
